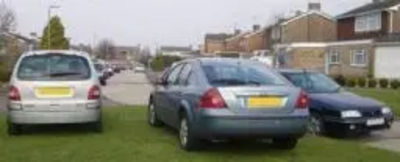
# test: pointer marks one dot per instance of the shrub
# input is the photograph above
(351, 82)
(340, 80)
(362, 82)
(4, 76)
(383, 83)
(161, 62)
(395, 84)
(372, 83)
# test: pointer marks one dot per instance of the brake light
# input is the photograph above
(94, 93)
(302, 101)
(13, 94)
(212, 99)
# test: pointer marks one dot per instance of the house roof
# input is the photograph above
(218, 36)
(175, 49)
(297, 17)
(238, 36)
(370, 7)
(393, 37)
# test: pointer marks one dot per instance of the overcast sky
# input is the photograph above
(162, 22)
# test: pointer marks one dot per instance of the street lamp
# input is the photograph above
(49, 26)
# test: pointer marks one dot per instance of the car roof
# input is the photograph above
(66, 52)
(214, 60)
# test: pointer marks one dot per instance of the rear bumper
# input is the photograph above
(53, 117)
(231, 127)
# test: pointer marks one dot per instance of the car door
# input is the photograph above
(168, 96)
(181, 93)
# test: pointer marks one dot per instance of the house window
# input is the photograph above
(359, 58)
(334, 57)
(367, 23)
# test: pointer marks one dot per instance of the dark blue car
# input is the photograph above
(336, 111)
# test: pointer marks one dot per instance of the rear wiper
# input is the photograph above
(62, 74)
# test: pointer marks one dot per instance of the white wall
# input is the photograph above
(387, 62)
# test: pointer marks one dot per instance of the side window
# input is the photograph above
(183, 76)
(173, 76)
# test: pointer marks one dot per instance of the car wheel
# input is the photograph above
(316, 125)
(14, 129)
(186, 137)
(152, 116)
(285, 143)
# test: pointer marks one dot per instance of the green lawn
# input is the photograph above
(389, 96)
(127, 137)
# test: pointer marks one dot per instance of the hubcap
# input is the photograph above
(314, 126)
(183, 132)
(152, 114)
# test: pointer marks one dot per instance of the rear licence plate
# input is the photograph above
(375, 122)
(264, 102)
(54, 91)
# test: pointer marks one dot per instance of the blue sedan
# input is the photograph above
(220, 99)
(336, 111)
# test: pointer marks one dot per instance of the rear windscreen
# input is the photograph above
(231, 74)
(54, 67)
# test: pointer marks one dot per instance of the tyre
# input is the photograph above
(187, 139)
(316, 125)
(285, 143)
(14, 129)
(152, 117)
(103, 82)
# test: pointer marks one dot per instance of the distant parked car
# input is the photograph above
(53, 87)
(220, 98)
(102, 73)
(336, 111)
(139, 69)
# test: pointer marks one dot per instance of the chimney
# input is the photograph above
(256, 27)
(298, 13)
(314, 6)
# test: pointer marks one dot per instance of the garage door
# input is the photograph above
(387, 62)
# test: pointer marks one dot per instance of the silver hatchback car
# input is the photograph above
(54, 87)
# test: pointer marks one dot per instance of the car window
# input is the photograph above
(98, 67)
(173, 75)
(313, 82)
(54, 67)
(183, 76)
(230, 74)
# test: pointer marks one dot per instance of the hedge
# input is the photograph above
(362, 82)
(395, 84)
(384, 83)
(372, 83)
(351, 82)
(340, 80)
(161, 62)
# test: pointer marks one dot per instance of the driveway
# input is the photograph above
(128, 88)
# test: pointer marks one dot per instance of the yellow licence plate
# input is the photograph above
(264, 102)
(54, 91)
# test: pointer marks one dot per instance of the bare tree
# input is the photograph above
(105, 49)
(7, 18)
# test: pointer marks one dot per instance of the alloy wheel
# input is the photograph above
(183, 132)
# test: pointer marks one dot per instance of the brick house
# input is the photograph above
(356, 51)
(257, 39)
(299, 41)
(215, 43)
(236, 43)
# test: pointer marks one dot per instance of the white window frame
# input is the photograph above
(332, 55)
(368, 23)
(362, 53)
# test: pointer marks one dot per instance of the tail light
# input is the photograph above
(302, 101)
(94, 93)
(13, 94)
(212, 99)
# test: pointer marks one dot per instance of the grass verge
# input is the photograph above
(127, 137)
(389, 96)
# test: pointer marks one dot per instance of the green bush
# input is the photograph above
(372, 83)
(340, 80)
(161, 62)
(4, 76)
(351, 82)
(395, 84)
(362, 82)
(384, 83)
